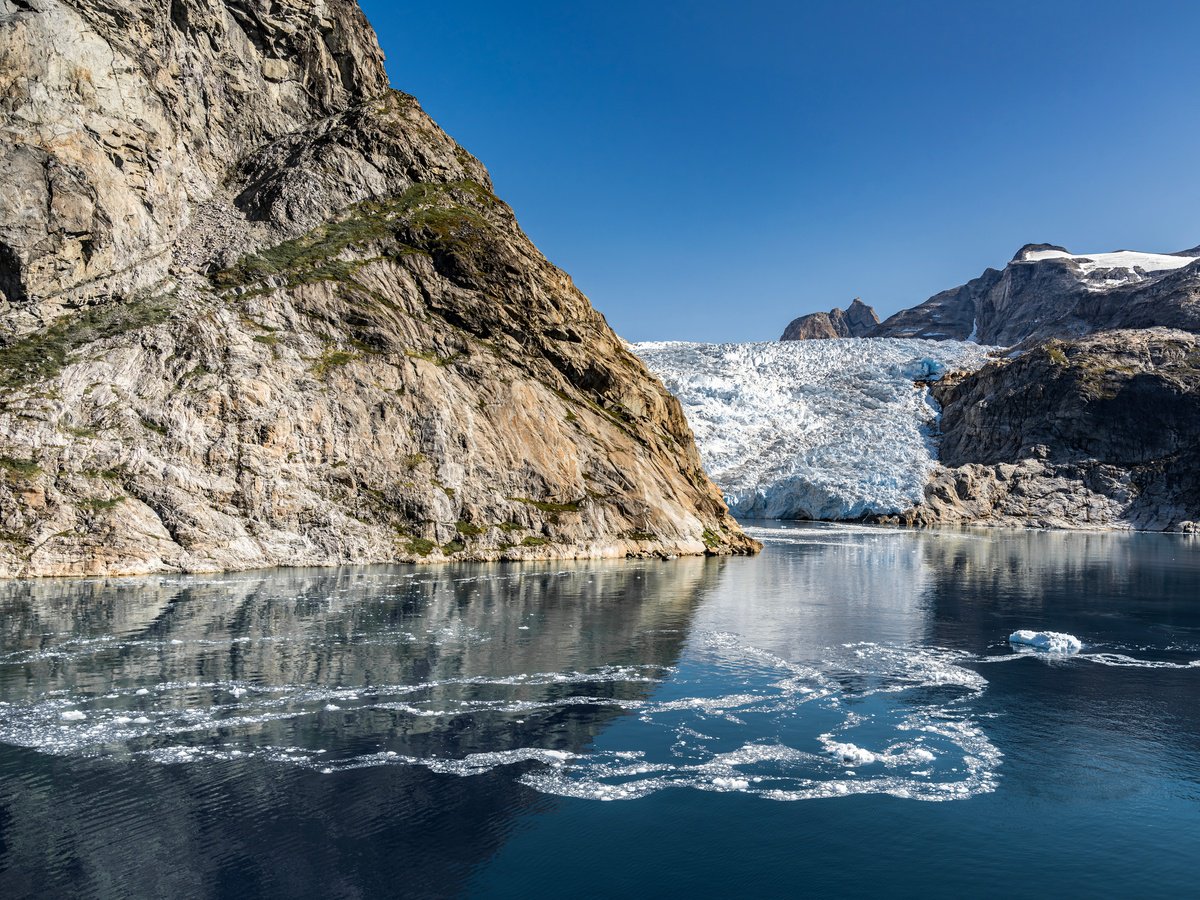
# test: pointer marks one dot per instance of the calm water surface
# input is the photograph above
(842, 716)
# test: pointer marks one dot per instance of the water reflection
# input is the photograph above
(392, 730)
(236, 675)
(820, 587)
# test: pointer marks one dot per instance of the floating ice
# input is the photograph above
(1047, 641)
(833, 429)
(790, 718)
(1121, 661)
(73, 715)
(850, 754)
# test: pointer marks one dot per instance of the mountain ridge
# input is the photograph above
(1046, 292)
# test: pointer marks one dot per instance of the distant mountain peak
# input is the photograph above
(1026, 252)
(855, 321)
(1048, 291)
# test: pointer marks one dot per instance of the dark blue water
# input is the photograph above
(842, 716)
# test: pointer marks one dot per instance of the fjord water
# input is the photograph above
(841, 716)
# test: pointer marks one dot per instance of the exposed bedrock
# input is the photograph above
(260, 310)
(1099, 432)
(1046, 292)
(857, 320)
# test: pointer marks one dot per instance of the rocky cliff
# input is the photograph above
(1093, 420)
(857, 320)
(1046, 292)
(258, 309)
(1100, 432)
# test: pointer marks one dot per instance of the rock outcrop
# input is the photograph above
(258, 310)
(857, 320)
(1046, 292)
(1102, 432)
(1093, 420)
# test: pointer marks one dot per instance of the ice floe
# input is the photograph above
(774, 728)
(1047, 641)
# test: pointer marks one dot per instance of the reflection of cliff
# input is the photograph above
(1127, 594)
(980, 577)
(83, 826)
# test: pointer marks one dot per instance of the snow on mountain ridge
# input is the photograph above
(833, 429)
(1110, 265)
(1118, 259)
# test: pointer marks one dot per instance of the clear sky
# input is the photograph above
(708, 170)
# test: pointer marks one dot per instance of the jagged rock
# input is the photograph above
(260, 310)
(1100, 432)
(119, 117)
(857, 320)
(1045, 292)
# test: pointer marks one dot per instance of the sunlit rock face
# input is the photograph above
(857, 320)
(1048, 292)
(259, 309)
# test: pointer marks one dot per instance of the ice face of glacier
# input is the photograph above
(834, 429)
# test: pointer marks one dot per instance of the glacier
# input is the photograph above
(831, 429)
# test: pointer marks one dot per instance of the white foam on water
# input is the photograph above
(1065, 648)
(772, 727)
(933, 749)
(1119, 660)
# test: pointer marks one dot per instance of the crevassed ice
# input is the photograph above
(831, 429)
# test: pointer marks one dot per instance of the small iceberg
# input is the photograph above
(851, 755)
(1047, 641)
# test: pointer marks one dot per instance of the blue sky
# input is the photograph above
(708, 170)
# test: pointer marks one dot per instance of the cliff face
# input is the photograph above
(1046, 292)
(857, 320)
(120, 117)
(259, 309)
(1101, 432)
(1094, 419)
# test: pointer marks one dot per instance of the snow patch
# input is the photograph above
(1121, 259)
(1104, 271)
(1047, 641)
(831, 429)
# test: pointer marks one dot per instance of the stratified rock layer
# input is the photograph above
(258, 309)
